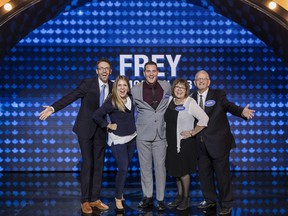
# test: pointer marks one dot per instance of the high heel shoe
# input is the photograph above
(119, 206)
(123, 200)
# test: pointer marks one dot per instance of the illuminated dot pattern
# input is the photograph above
(55, 57)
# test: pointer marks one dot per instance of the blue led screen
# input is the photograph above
(183, 38)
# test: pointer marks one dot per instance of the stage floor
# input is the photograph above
(58, 194)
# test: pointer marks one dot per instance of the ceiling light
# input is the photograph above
(7, 7)
(272, 5)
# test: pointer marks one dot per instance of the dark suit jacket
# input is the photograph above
(89, 92)
(217, 136)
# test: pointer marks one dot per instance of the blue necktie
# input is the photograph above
(102, 94)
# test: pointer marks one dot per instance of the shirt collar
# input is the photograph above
(204, 94)
(101, 82)
(151, 86)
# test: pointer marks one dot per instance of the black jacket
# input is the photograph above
(217, 135)
(89, 92)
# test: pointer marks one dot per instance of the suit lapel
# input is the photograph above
(162, 99)
(95, 86)
(210, 96)
(110, 84)
(161, 102)
(141, 91)
(194, 96)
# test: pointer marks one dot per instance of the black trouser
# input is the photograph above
(208, 169)
(93, 153)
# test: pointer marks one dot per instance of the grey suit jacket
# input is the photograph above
(150, 121)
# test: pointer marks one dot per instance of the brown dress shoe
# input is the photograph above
(86, 208)
(98, 204)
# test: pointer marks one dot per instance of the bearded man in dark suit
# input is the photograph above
(215, 143)
(91, 138)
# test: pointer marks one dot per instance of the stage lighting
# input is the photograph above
(272, 5)
(8, 7)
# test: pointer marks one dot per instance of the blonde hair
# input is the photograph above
(116, 100)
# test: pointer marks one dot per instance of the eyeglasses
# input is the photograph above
(181, 88)
(101, 69)
(201, 79)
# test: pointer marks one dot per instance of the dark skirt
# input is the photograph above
(184, 162)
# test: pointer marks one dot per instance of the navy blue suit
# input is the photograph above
(91, 138)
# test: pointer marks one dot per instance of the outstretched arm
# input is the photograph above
(248, 113)
(77, 93)
(46, 112)
(236, 110)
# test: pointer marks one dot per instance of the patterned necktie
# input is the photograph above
(201, 102)
(102, 94)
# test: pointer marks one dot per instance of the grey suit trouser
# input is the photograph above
(152, 152)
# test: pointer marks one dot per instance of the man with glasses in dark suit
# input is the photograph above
(91, 138)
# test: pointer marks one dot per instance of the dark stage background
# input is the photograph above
(183, 38)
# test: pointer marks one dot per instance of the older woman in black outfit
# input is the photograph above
(181, 157)
(121, 131)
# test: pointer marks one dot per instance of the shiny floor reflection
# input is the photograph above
(26, 194)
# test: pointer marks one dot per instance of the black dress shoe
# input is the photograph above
(210, 211)
(184, 204)
(146, 202)
(176, 202)
(225, 210)
(204, 205)
(160, 206)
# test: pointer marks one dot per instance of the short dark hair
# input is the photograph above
(182, 81)
(103, 60)
(150, 63)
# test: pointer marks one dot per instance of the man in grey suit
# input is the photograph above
(151, 99)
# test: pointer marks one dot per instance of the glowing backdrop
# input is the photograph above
(183, 38)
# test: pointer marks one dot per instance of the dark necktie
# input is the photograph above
(201, 102)
(102, 94)
(154, 97)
